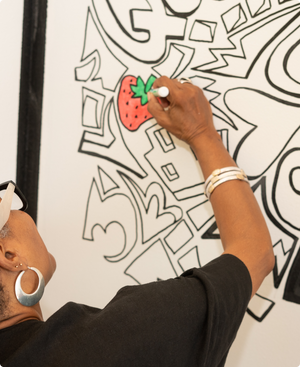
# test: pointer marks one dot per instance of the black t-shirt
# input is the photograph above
(188, 321)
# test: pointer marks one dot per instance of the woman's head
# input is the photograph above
(21, 243)
(21, 247)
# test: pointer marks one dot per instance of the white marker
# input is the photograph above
(160, 92)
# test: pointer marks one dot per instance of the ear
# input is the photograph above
(9, 260)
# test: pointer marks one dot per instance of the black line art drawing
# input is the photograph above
(257, 8)
(146, 42)
(287, 178)
(178, 59)
(234, 18)
(199, 214)
(187, 173)
(180, 8)
(260, 307)
(218, 112)
(284, 242)
(102, 213)
(211, 233)
(155, 215)
(263, 123)
(107, 183)
(152, 264)
(190, 259)
(291, 291)
(92, 109)
(97, 145)
(147, 199)
(179, 236)
(170, 172)
(83, 73)
(264, 32)
(282, 79)
(108, 68)
(203, 31)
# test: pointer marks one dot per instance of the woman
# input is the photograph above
(188, 321)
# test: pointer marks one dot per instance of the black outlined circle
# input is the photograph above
(292, 181)
(276, 181)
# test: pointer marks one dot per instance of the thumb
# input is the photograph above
(155, 108)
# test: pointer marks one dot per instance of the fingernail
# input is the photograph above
(149, 95)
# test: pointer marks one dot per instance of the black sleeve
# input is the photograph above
(184, 322)
(188, 321)
(228, 291)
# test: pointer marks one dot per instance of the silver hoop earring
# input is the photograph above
(30, 299)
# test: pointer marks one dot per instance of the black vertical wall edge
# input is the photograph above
(31, 100)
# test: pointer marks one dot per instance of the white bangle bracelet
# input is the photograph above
(219, 171)
(214, 179)
(233, 176)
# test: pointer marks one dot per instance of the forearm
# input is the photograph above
(241, 224)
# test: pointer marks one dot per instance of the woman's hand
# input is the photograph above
(185, 112)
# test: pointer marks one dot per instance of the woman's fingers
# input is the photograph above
(164, 81)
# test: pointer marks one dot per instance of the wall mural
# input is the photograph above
(146, 197)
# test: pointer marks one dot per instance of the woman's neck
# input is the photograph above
(21, 314)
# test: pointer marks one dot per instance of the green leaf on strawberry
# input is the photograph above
(140, 90)
(149, 83)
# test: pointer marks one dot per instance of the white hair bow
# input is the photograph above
(5, 204)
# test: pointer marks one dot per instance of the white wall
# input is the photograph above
(108, 237)
(11, 23)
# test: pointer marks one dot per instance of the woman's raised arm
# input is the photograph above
(186, 113)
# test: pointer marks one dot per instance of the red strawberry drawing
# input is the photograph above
(132, 101)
